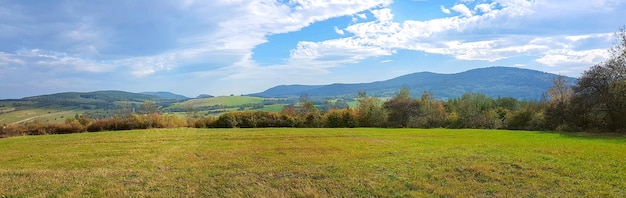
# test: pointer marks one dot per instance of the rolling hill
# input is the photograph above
(93, 97)
(98, 104)
(492, 81)
(166, 95)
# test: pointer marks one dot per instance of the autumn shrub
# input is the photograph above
(227, 120)
(102, 125)
(12, 130)
(168, 121)
(204, 123)
(333, 119)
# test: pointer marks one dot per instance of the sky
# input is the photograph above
(223, 47)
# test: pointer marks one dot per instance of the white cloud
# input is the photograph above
(444, 9)
(58, 61)
(558, 57)
(338, 31)
(144, 66)
(462, 9)
(10, 59)
(334, 52)
(484, 8)
(383, 14)
(446, 36)
(356, 17)
(362, 16)
(259, 19)
(576, 38)
(238, 27)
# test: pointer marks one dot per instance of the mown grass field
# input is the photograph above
(313, 162)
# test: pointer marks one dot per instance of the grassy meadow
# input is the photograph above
(313, 163)
(219, 100)
(45, 115)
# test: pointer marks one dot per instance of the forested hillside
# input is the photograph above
(492, 81)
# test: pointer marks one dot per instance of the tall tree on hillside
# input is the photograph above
(599, 100)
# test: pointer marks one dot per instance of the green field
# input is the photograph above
(46, 115)
(220, 100)
(273, 108)
(313, 162)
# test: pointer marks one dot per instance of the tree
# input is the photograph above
(599, 101)
(349, 118)
(333, 119)
(151, 110)
(402, 109)
(190, 113)
(432, 112)
(370, 111)
(227, 120)
(341, 104)
(475, 111)
(560, 95)
(124, 110)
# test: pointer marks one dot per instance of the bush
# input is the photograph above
(333, 119)
(12, 130)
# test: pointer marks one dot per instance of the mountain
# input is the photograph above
(204, 96)
(287, 90)
(492, 81)
(104, 96)
(99, 99)
(166, 95)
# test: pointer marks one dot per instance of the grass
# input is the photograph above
(220, 100)
(313, 162)
(46, 115)
(272, 108)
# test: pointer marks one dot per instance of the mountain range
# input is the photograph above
(492, 81)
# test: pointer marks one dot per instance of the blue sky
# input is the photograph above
(223, 47)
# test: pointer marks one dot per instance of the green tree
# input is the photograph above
(402, 109)
(474, 111)
(227, 120)
(560, 95)
(341, 104)
(599, 101)
(333, 119)
(370, 111)
(432, 112)
(349, 118)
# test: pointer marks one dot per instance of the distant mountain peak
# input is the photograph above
(204, 96)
